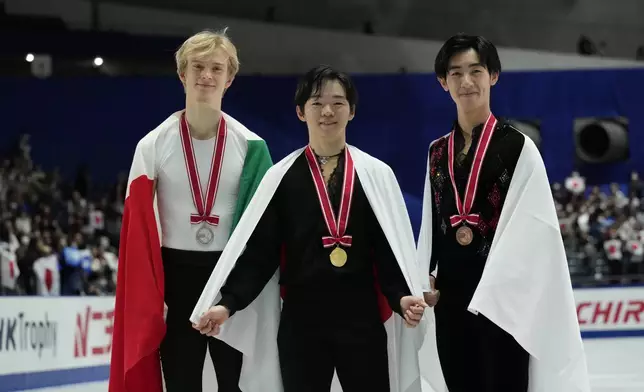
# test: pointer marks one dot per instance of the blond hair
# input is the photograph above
(203, 44)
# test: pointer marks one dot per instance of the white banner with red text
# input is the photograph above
(610, 311)
(50, 341)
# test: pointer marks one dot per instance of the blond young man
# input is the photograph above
(190, 181)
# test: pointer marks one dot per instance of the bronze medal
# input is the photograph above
(464, 235)
(464, 215)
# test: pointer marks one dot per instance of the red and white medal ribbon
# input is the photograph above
(337, 227)
(464, 207)
(204, 205)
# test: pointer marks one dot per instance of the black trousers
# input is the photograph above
(476, 355)
(183, 349)
(310, 350)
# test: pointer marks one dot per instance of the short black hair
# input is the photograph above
(311, 84)
(488, 56)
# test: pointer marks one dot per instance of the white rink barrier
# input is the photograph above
(56, 341)
(611, 311)
(53, 341)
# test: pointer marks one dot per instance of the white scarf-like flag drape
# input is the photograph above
(253, 331)
(525, 288)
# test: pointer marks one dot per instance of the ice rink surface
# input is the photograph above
(615, 365)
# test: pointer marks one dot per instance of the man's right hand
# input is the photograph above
(432, 297)
(210, 322)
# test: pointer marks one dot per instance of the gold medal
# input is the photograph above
(338, 257)
(337, 227)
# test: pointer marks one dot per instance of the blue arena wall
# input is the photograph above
(99, 120)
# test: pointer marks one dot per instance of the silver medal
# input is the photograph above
(205, 235)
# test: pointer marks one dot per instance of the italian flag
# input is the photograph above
(139, 325)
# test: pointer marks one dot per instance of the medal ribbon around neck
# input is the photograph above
(337, 227)
(204, 206)
(464, 207)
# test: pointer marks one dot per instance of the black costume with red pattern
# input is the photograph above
(475, 354)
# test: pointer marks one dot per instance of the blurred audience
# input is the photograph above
(602, 229)
(55, 238)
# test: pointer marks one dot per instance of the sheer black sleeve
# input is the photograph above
(390, 277)
(257, 263)
(437, 232)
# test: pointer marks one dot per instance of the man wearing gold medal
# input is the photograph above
(490, 246)
(331, 221)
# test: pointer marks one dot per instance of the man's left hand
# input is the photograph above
(412, 308)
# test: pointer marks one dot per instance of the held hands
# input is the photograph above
(212, 320)
(432, 297)
(412, 308)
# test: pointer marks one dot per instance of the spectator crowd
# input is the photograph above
(56, 238)
(602, 229)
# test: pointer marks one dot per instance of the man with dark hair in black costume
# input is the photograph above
(491, 246)
(335, 225)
